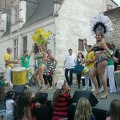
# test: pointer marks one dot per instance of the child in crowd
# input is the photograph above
(114, 112)
(23, 109)
(9, 106)
(84, 110)
(61, 100)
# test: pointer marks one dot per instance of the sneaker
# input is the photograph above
(27, 86)
(85, 88)
(112, 91)
(93, 89)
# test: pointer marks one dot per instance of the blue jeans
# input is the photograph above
(69, 80)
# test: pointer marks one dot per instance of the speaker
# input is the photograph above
(19, 89)
(86, 94)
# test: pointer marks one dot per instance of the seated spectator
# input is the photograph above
(114, 112)
(42, 111)
(9, 106)
(84, 110)
(23, 109)
(61, 100)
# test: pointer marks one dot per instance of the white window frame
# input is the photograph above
(15, 44)
(16, 8)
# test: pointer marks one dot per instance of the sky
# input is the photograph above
(118, 2)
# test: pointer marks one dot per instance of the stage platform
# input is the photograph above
(100, 110)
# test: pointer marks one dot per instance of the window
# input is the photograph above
(24, 43)
(16, 14)
(109, 7)
(80, 45)
(16, 49)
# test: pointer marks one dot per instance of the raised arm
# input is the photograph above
(31, 50)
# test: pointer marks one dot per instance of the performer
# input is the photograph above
(78, 67)
(9, 64)
(25, 58)
(40, 38)
(101, 27)
(41, 57)
(89, 63)
(69, 64)
(50, 67)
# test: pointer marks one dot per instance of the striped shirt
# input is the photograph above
(61, 107)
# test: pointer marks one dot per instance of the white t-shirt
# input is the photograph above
(9, 106)
(70, 61)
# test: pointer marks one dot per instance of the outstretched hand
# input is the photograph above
(85, 41)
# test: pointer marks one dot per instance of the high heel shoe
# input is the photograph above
(104, 96)
(97, 93)
(42, 89)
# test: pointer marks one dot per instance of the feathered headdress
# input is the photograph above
(101, 24)
(40, 36)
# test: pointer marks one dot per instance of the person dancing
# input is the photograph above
(101, 27)
(40, 38)
(41, 58)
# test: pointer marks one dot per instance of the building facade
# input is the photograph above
(67, 20)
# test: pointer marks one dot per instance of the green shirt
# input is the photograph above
(2, 83)
(25, 61)
(110, 61)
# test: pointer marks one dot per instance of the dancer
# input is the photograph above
(40, 38)
(89, 63)
(78, 67)
(101, 27)
(50, 67)
(41, 58)
(69, 64)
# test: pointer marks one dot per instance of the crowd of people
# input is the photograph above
(97, 66)
(29, 106)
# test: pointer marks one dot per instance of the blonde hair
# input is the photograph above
(84, 110)
(28, 93)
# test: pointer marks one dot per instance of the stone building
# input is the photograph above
(68, 20)
(114, 15)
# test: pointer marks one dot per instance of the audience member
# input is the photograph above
(114, 112)
(61, 100)
(9, 106)
(23, 108)
(84, 110)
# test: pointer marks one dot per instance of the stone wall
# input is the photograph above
(114, 15)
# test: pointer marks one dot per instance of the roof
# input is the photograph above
(44, 9)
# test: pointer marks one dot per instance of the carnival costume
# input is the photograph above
(40, 38)
(100, 24)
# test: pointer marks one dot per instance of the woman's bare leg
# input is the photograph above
(41, 71)
(93, 74)
(101, 71)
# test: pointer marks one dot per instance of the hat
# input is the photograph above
(60, 83)
(40, 36)
(101, 24)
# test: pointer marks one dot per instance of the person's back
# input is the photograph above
(114, 112)
(84, 110)
(61, 101)
(43, 113)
